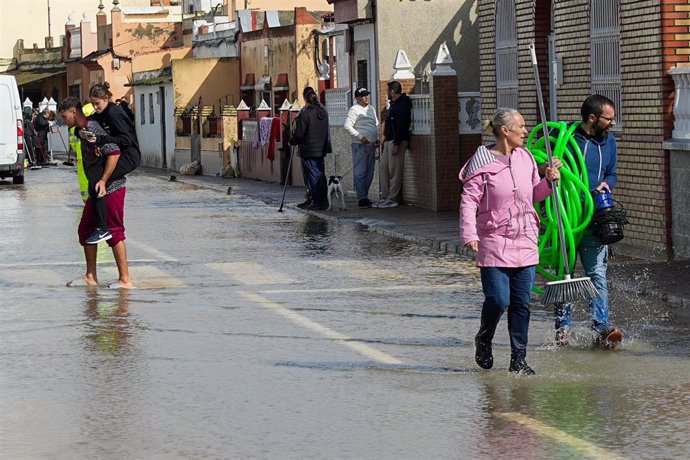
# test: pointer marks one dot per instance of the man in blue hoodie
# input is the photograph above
(598, 147)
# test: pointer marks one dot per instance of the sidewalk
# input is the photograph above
(667, 281)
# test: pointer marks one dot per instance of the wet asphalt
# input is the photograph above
(258, 334)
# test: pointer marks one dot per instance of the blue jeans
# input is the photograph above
(363, 159)
(507, 289)
(595, 258)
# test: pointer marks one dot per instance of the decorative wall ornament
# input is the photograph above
(443, 62)
(403, 67)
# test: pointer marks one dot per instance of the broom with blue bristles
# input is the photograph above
(568, 289)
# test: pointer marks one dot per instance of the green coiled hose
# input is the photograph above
(577, 205)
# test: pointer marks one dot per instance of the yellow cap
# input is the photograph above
(88, 109)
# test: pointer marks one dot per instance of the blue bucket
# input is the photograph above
(603, 200)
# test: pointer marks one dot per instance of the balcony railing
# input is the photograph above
(421, 114)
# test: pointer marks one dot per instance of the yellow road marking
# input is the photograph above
(578, 444)
(144, 277)
(33, 276)
(78, 263)
(359, 269)
(362, 349)
(251, 274)
(428, 287)
(151, 250)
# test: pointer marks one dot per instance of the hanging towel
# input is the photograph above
(274, 135)
(265, 130)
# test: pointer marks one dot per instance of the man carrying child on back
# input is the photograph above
(104, 209)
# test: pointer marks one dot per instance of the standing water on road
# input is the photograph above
(258, 334)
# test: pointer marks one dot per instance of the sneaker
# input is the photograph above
(609, 338)
(365, 203)
(388, 204)
(482, 354)
(562, 337)
(100, 234)
(520, 366)
(377, 203)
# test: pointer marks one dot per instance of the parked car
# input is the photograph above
(11, 131)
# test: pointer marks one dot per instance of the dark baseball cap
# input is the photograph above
(361, 92)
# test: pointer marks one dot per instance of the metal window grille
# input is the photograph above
(605, 41)
(151, 111)
(506, 55)
(142, 104)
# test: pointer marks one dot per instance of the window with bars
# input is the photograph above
(151, 111)
(142, 104)
(506, 55)
(605, 39)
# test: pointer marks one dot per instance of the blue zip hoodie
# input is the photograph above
(600, 155)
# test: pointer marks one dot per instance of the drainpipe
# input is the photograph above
(374, 7)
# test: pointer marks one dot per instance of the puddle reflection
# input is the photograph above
(317, 235)
(108, 320)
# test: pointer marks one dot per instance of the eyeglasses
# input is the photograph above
(609, 119)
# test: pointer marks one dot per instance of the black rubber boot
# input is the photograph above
(520, 366)
(482, 353)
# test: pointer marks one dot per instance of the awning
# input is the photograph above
(24, 77)
(151, 77)
(248, 83)
(281, 83)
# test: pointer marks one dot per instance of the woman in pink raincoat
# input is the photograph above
(498, 221)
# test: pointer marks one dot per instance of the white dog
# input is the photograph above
(336, 196)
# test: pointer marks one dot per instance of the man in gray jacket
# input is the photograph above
(363, 125)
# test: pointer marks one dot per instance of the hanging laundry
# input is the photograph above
(274, 135)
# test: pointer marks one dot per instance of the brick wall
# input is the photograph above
(418, 176)
(643, 165)
(444, 132)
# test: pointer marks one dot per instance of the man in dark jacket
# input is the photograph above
(396, 138)
(42, 126)
(310, 132)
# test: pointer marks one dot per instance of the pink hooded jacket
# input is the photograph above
(497, 209)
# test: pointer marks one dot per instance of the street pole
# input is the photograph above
(49, 18)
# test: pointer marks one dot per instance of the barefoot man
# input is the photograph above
(94, 163)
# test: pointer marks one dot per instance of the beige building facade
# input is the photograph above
(28, 20)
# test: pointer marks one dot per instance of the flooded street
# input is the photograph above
(258, 334)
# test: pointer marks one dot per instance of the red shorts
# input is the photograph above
(115, 202)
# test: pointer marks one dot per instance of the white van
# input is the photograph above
(11, 131)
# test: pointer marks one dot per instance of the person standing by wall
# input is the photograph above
(42, 127)
(29, 135)
(600, 151)
(396, 139)
(362, 124)
(500, 185)
(311, 134)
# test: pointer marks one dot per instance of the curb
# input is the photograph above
(449, 247)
